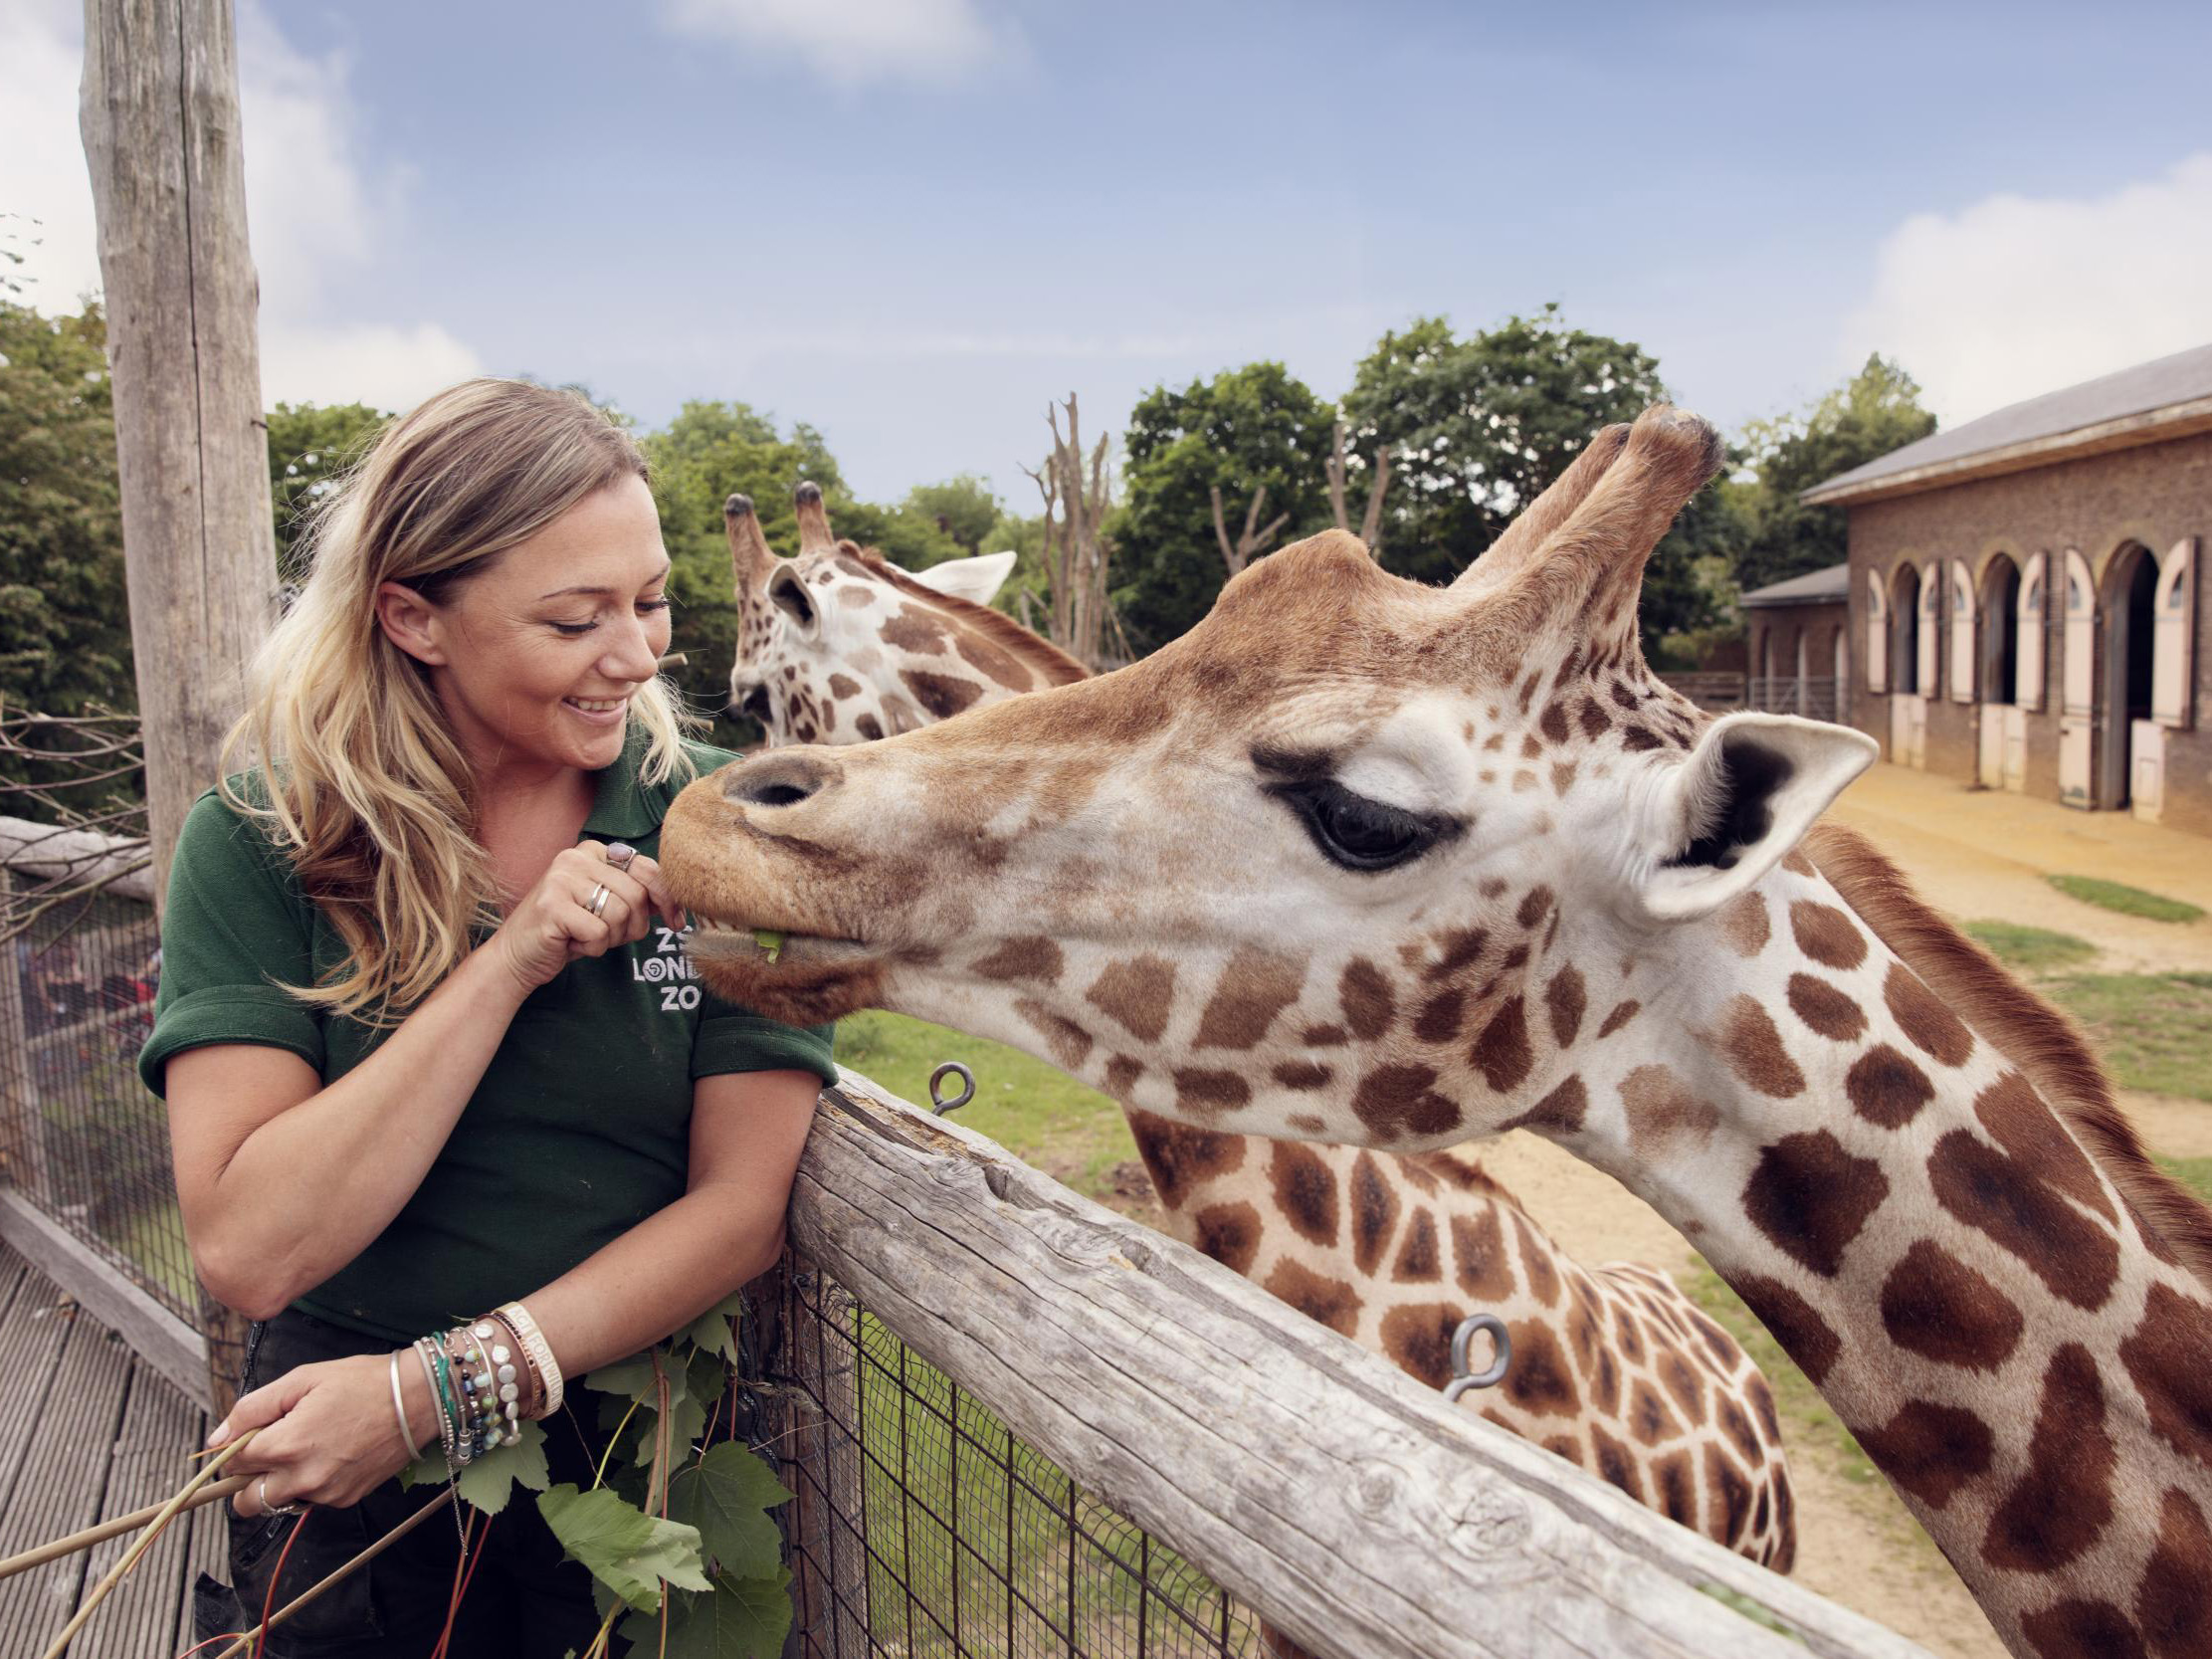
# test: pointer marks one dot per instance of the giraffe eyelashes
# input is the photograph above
(1355, 832)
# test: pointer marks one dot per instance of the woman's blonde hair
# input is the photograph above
(359, 781)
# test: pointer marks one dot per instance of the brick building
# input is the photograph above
(2023, 595)
(1800, 645)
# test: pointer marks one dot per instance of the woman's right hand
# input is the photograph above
(552, 924)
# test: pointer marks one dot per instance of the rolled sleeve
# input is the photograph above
(739, 1042)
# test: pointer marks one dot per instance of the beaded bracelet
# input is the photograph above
(423, 1349)
(474, 1388)
(505, 1378)
(541, 1354)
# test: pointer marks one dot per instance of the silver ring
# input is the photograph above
(597, 903)
(620, 853)
(261, 1492)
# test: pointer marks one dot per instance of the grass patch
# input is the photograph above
(2127, 900)
(2030, 950)
(1040, 1115)
(2195, 1173)
(2155, 1028)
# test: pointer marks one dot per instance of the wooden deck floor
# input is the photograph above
(88, 1431)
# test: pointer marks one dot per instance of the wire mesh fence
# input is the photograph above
(922, 1527)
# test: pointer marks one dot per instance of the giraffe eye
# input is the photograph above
(1356, 832)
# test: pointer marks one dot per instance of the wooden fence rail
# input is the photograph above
(1353, 1508)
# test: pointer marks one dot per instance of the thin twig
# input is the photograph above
(362, 1559)
(114, 1528)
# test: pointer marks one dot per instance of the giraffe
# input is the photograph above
(1432, 862)
(1392, 1252)
(841, 646)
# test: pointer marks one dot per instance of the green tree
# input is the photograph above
(1244, 430)
(65, 621)
(962, 508)
(310, 446)
(1477, 428)
(1874, 412)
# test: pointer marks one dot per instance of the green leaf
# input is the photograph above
(727, 1495)
(686, 1417)
(633, 1553)
(631, 1378)
(714, 1334)
(743, 1619)
(489, 1480)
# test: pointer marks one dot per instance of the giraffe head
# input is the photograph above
(839, 645)
(1345, 862)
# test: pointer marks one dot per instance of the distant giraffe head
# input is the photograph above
(839, 645)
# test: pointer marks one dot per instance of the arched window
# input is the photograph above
(2000, 630)
(1905, 627)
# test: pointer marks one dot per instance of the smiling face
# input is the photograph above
(534, 656)
(1355, 860)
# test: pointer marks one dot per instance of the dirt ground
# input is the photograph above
(1977, 855)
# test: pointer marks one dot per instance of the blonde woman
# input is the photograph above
(452, 1122)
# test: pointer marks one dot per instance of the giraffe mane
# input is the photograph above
(2040, 1038)
(1057, 666)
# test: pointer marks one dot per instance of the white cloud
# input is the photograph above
(315, 209)
(2014, 296)
(851, 43)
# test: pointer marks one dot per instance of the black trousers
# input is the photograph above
(525, 1600)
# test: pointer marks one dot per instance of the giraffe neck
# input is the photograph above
(1995, 1311)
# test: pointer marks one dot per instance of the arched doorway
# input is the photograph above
(2130, 609)
(1904, 629)
(1910, 671)
(2001, 760)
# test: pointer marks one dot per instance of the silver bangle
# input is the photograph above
(399, 1409)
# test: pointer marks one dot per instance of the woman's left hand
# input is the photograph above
(328, 1436)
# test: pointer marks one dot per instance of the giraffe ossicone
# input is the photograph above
(1618, 1371)
(1361, 861)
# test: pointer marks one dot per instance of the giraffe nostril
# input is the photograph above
(779, 780)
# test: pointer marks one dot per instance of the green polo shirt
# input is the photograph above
(580, 1127)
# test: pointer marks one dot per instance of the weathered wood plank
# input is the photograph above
(33, 1330)
(64, 1480)
(162, 1340)
(43, 851)
(1348, 1504)
(160, 1429)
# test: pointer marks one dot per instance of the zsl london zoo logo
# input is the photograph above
(669, 968)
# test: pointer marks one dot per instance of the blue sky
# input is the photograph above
(913, 222)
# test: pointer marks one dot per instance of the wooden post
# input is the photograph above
(22, 1139)
(158, 111)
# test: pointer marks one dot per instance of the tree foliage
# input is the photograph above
(1244, 428)
(1874, 412)
(310, 448)
(65, 621)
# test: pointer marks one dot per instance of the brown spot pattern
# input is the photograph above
(1565, 1000)
(1539, 1381)
(1536, 1263)
(1374, 1213)
(1921, 1015)
(1330, 1301)
(2078, 1628)
(1744, 925)
(1481, 1266)
(1180, 1159)
(1999, 1196)
(1230, 1233)
(1936, 1306)
(1399, 1102)
(1418, 1261)
(1885, 1088)
(1417, 1338)
(1754, 1049)
(1622, 1013)
(843, 686)
(915, 630)
(2057, 1509)
(1615, 1463)
(1824, 1008)
(1139, 993)
(1659, 1107)
(1034, 958)
(941, 695)
(2019, 1120)
(1930, 1450)
(1069, 1042)
(1810, 1197)
(1304, 1191)
(1254, 987)
(2174, 1600)
(1826, 934)
(1796, 1324)
(2169, 1359)
(1502, 1053)
(1304, 1075)
(1122, 1074)
(1563, 1110)
(1200, 1092)
(1365, 997)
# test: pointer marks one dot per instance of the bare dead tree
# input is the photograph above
(1076, 494)
(1252, 542)
(1378, 482)
(73, 820)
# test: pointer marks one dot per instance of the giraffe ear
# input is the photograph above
(1749, 793)
(974, 579)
